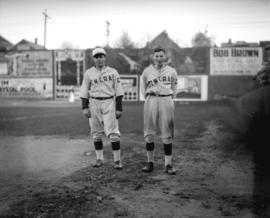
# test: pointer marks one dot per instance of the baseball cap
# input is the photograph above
(159, 48)
(98, 50)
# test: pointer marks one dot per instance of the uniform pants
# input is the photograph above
(159, 115)
(103, 119)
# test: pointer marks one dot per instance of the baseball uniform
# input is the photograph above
(158, 86)
(102, 91)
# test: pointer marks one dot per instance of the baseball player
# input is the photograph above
(263, 76)
(158, 86)
(101, 94)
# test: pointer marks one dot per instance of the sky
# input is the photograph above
(82, 23)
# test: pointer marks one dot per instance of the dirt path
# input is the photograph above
(50, 176)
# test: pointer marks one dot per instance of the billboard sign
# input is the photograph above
(235, 61)
(30, 87)
(192, 88)
(130, 86)
(26, 64)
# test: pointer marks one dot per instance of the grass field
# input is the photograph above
(46, 155)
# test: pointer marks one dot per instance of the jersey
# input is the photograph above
(159, 110)
(104, 83)
(163, 82)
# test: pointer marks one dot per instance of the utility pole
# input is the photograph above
(108, 31)
(46, 16)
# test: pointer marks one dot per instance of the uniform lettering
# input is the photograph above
(163, 79)
(102, 79)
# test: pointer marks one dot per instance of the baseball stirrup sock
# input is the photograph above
(168, 154)
(115, 145)
(99, 149)
(116, 150)
(98, 145)
(150, 146)
(150, 151)
(168, 149)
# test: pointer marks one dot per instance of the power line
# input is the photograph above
(240, 23)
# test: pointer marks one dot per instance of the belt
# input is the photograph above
(102, 98)
(158, 95)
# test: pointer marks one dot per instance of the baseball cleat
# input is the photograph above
(149, 167)
(98, 163)
(118, 165)
(170, 170)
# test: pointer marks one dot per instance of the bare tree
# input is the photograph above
(202, 40)
(68, 45)
(124, 41)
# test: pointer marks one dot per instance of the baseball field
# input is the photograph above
(46, 156)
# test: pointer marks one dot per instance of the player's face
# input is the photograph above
(159, 58)
(100, 60)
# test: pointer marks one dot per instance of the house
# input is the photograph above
(4, 44)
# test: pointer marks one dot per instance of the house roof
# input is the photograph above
(4, 44)
(163, 40)
(240, 44)
(27, 45)
(133, 64)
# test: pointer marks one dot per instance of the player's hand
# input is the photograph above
(118, 114)
(86, 112)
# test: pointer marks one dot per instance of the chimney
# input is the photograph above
(36, 41)
(230, 41)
